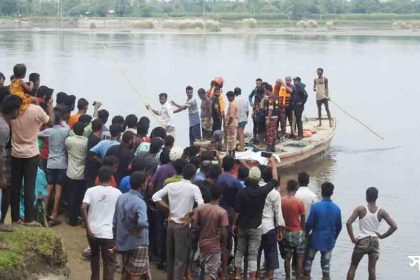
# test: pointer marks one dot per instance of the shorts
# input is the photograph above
(136, 262)
(367, 246)
(269, 245)
(55, 176)
(322, 101)
(294, 241)
(211, 264)
(242, 124)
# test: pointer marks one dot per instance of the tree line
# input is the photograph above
(295, 9)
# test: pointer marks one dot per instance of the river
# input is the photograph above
(375, 78)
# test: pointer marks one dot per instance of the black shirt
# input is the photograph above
(125, 155)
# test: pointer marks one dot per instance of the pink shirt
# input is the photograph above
(25, 130)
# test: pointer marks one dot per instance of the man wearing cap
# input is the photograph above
(299, 98)
(247, 222)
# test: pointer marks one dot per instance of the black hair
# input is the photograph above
(196, 161)
(155, 145)
(2, 76)
(292, 186)
(190, 151)
(127, 137)
(163, 94)
(258, 80)
(215, 192)
(243, 172)
(85, 118)
(327, 189)
(82, 104)
(214, 171)
(268, 87)
(97, 125)
(61, 96)
(266, 173)
(372, 194)
(118, 120)
(303, 179)
(260, 90)
(33, 77)
(79, 128)
(131, 121)
(10, 104)
(143, 126)
(4, 92)
(58, 117)
(137, 179)
(45, 92)
(189, 171)
(138, 164)
(111, 161)
(205, 166)
(105, 174)
(228, 163)
(179, 165)
(115, 130)
(164, 156)
(70, 101)
(19, 70)
(189, 88)
(158, 132)
(103, 115)
(201, 91)
(230, 94)
(144, 119)
(169, 140)
(237, 91)
(319, 68)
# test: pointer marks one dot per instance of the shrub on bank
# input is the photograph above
(248, 23)
(144, 25)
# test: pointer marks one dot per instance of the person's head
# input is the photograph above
(143, 126)
(164, 156)
(118, 120)
(303, 179)
(216, 91)
(137, 164)
(103, 115)
(243, 173)
(70, 101)
(115, 131)
(155, 145)
(258, 82)
(292, 186)
(179, 165)
(254, 174)
(288, 80)
(372, 194)
(10, 106)
(128, 138)
(79, 128)
(196, 161)
(237, 91)
(189, 91)
(82, 105)
(175, 153)
(215, 193)
(105, 174)
(60, 98)
(138, 181)
(2, 79)
(214, 172)
(19, 71)
(189, 171)
(296, 81)
(327, 190)
(158, 132)
(163, 97)
(131, 121)
(260, 91)
(228, 163)
(58, 117)
(45, 92)
(268, 89)
(113, 162)
(266, 173)
(85, 119)
(201, 93)
(320, 71)
(169, 141)
(230, 95)
(35, 79)
(205, 166)
(97, 125)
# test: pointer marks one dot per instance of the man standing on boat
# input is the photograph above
(254, 95)
(367, 242)
(285, 111)
(322, 94)
(165, 112)
(271, 105)
(299, 98)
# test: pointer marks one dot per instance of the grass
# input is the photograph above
(41, 241)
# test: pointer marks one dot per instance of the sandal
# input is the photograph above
(54, 222)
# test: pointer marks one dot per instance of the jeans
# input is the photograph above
(195, 134)
(76, 191)
(23, 169)
(102, 246)
(269, 246)
(160, 224)
(325, 261)
(251, 239)
(177, 244)
(298, 114)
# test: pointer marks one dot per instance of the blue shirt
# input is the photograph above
(325, 223)
(130, 226)
(102, 147)
(125, 185)
(200, 176)
(230, 186)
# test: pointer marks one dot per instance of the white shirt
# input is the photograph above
(308, 198)
(182, 196)
(167, 114)
(243, 106)
(102, 201)
(272, 214)
(76, 147)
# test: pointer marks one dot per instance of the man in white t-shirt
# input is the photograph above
(243, 105)
(305, 194)
(166, 113)
(98, 213)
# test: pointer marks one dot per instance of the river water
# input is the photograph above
(375, 78)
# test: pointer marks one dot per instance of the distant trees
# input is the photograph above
(295, 9)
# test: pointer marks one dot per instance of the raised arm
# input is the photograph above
(392, 225)
(26, 88)
(349, 224)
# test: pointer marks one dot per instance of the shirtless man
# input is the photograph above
(322, 94)
(367, 242)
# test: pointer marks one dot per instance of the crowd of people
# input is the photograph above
(140, 196)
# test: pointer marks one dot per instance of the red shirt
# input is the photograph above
(292, 209)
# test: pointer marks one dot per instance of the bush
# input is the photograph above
(249, 23)
(212, 26)
(144, 25)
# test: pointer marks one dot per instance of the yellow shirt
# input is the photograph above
(17, 89)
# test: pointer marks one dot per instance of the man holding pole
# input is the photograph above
(166, 113)
(322, 94)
